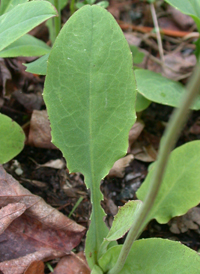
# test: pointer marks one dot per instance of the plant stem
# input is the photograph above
(57, 20)
(169, 139)
(155, 21)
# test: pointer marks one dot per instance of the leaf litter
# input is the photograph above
(31, 229)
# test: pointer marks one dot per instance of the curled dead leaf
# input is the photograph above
(118, 168)
(75, 264)
(40, 131)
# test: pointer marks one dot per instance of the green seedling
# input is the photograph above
(16, 19)
(90, 95)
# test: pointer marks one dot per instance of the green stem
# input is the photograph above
(170, 137)
(57, 20)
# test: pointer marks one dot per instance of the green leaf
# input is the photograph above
(159, 89)
(7, 5)
(39, 66)
(154, 256)
(123, 220)
(27, 45)
(189, 7)
(11, 139)
(90, 95)
(138, 55)
(22, 18)
(141, 102)
(90, 2)
(96, 270)
(180, 189)
(103, 4)
(63, 3)
(121, 224)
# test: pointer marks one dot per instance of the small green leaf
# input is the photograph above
(180, 189)
(96, 270)
(22, 18)
(141, 102)
(90, 95)
(39, 66)
(11, 139)
(79, 5)
(189, 7)
(138, 55)
(121, 224)
(159, 89)
(27, 45)
(7, 5)
(103, 4)
(123, 220)
(90, 2)
(154, 256)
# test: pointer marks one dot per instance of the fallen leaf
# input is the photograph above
(41, 232)
(10, 213)
(135, 132)
(191, 220)
(73, 264)
(179, 65)
(57, 164)
(182, 20)
(143, 153)
(19, 265)
(36, 267)
(195, 128)
(40, 131)
(29, 101)
(118, 168)
(4, 75)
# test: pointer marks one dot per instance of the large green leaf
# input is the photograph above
(39, 66)
(7, 5)
(22, 18)
(180, 189)
(159, 89)
(189, 7)
(26, 45)
(90, 95)
(154, 256)
(11, 139)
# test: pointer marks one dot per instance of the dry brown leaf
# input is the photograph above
(184, 21)
(19, 265)
(195, 128)
(40, 131)
(143, 153)
(10, 213)
(4, 75)
(135, 132)
(41, 232)
(57, 164)
(191, 220)
(36, 267)
(179, 65)
(118, 168)
(29, 101)
(74, 264)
